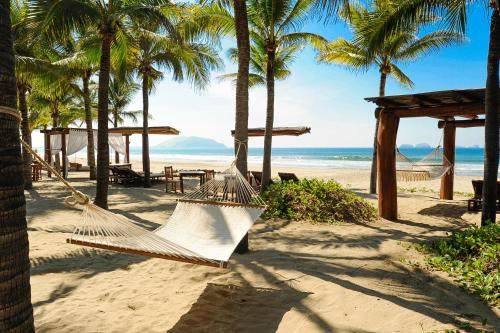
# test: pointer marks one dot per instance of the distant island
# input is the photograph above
(191, 142)
(418, 145)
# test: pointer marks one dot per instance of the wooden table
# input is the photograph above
(191, 173)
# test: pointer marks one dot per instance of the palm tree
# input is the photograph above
(454, 14)
(184, 57)
(81, 56)
(404, 46)
(60, 19)
(31, 70)
(16, 311)
(275, 28)
(121, 93)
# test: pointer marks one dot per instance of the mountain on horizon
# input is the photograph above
(191, 142)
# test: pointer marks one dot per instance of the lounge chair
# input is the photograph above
(171, 180)
(475, 203)
(129, 177)
(286, 176)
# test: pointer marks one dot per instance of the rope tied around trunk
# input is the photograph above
(76, 197)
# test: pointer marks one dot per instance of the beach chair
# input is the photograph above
(171, 180)
(74, 166)
(288, 177)
(475, 203)
(127, 177)
(209, 174)
(257, 179)
(36, 171)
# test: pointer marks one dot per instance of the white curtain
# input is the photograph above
(116, 142)
(56, 144)
(77, 141)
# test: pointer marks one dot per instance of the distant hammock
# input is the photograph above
(432, 166)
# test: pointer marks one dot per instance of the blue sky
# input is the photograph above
(327, 98)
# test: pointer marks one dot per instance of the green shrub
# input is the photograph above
(472, 256)
(317, 201)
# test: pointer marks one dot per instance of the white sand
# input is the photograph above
(298, 277)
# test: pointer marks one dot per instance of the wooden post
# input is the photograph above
(386, 165)
(127, 148)
(63, 153)
(446, 192)
(49, 154)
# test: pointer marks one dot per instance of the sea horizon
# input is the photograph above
(468, 160)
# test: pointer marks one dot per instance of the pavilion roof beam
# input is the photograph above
(463, 123)
(451, 110)
(278, 131)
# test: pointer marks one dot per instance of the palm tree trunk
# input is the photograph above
(115, 125)
(101, 198)
(373, 173)
(55, 123)
(16, 311)
(88, 122)
(491, 124)
(268, 135)
(241, 117)
(26, 134)
(145, 127)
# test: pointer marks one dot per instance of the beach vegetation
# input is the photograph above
(472, 257)
(317, 201)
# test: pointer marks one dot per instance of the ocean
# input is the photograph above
(469, 161)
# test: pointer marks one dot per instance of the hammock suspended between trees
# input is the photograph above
(432, 166)
(205, 228)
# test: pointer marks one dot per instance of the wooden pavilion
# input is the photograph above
(124, 131)
(445, 106)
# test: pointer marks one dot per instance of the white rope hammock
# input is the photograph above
(205, 227)
(432, 166)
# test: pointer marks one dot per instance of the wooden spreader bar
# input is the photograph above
(221, 203)
(222, 264)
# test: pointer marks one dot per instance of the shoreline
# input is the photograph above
(354, 179)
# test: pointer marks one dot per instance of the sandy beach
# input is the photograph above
(298, 277)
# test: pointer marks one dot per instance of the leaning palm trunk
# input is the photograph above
(101, 198)
(268, 135)
(241, 118)
(88, 122)
(16, 311)
(491, 124)
(145, 126)
(26, 134)
(373, 173)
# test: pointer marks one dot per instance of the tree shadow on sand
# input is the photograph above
(447, 211)
(231, 308)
